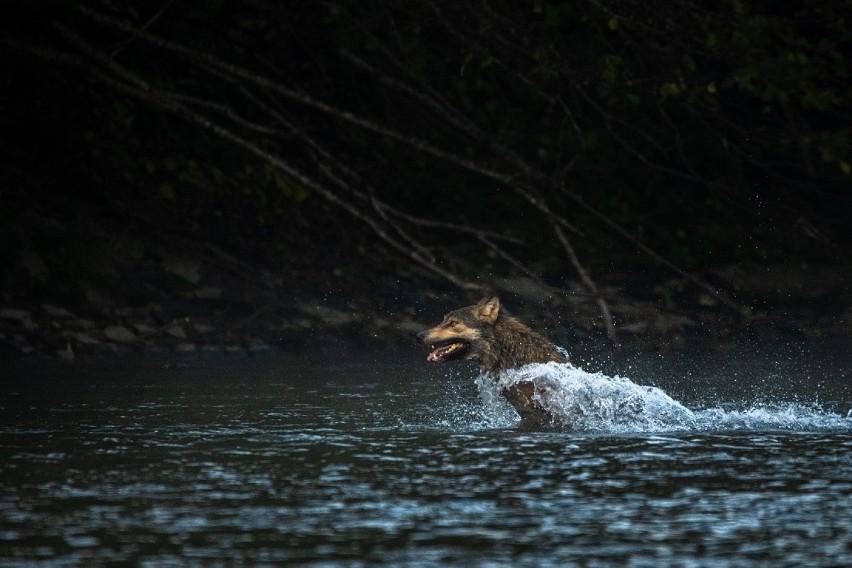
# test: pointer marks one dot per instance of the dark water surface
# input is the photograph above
(363, 462)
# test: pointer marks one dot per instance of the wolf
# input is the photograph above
(498, 342)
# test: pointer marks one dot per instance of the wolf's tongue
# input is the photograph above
(441, 352)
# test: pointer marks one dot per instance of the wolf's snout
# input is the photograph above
(421, 336)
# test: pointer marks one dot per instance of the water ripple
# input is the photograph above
(410, 473)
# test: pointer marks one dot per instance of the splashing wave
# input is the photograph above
(599, 403)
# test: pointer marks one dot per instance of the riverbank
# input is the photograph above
(87, 277)
(211, 302)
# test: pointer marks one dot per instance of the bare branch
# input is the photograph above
(651, 252)
(606, 315)
(122, 79)
(418, 144)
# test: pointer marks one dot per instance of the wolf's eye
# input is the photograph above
(451, 323)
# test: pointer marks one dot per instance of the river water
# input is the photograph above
(340, 459)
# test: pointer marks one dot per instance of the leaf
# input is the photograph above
(167, 191)
(123, 115)
(669, 90)
(711, 40)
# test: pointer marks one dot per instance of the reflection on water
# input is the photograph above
(394, 464)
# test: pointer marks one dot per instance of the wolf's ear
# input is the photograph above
(487, 309)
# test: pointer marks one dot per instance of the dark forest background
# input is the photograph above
(218, 172)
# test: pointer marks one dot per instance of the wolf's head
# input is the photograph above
(464, 333)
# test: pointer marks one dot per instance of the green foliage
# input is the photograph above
(673, 120)
(294, 191)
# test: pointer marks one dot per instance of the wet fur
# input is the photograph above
(499, 342)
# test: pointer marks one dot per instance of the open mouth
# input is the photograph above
(447, 350)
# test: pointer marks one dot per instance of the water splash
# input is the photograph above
(599, 403)
(778, 416)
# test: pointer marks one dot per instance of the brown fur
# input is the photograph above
(498, 342)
